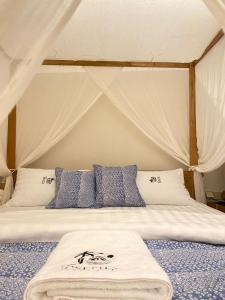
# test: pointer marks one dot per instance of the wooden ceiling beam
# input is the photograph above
(214, 41)
(140, 64)
(105, 63)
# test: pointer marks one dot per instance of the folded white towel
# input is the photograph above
(95, 265)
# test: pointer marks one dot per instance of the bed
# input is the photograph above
(186, 241)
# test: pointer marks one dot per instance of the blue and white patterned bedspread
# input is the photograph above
(197, 271)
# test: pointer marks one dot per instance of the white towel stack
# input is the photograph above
(95, 265)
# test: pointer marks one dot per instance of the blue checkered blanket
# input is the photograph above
(197, 271)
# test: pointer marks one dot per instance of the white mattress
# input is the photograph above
(193, 223)
(195, 207)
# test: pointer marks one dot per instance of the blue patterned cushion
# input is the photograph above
(77, 189)
(58, 173)
(116, 186)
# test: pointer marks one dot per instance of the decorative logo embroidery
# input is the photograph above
(47, 180)
(155, 179)
(90, 260)
(94, 258)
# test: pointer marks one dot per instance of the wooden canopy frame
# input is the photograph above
(193, 149)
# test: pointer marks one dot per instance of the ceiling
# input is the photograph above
(136, 30)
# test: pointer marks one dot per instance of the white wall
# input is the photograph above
(215, 181)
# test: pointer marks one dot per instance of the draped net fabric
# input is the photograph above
(210, 108)
(64, 94)
(138, 94)
(217, 8)
(27, 30)
(149, 99)
(62, 99)
(162, 121)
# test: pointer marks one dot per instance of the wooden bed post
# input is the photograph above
(11, 142)
(193, 148)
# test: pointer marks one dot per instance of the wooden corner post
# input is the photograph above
(11, 141)
(193, 148)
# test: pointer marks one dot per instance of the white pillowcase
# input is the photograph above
(34, 187)
(163, 187)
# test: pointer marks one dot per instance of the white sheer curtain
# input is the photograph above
(210, 109)
(55, 101)
(217, 8)
(156, 101)
(27, 29)
(142, 96)
(62, 97)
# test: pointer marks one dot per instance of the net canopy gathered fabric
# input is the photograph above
(99, 30)
(28, 29)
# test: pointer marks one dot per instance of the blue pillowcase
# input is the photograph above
(77, 190)
(116, 187)
(58, 173)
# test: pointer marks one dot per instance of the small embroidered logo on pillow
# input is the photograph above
(155, 179)
(47, 180)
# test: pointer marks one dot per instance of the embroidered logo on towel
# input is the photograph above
(90, 260)
(47, 180)
(155, 179)
(94, 258)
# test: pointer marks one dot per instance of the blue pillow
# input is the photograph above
(58, 173)
(77, 189)
(116, 186)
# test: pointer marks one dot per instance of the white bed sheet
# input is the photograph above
(5, 208)
(192, 223)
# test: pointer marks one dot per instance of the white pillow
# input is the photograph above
(34, 187)
(163, 187)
